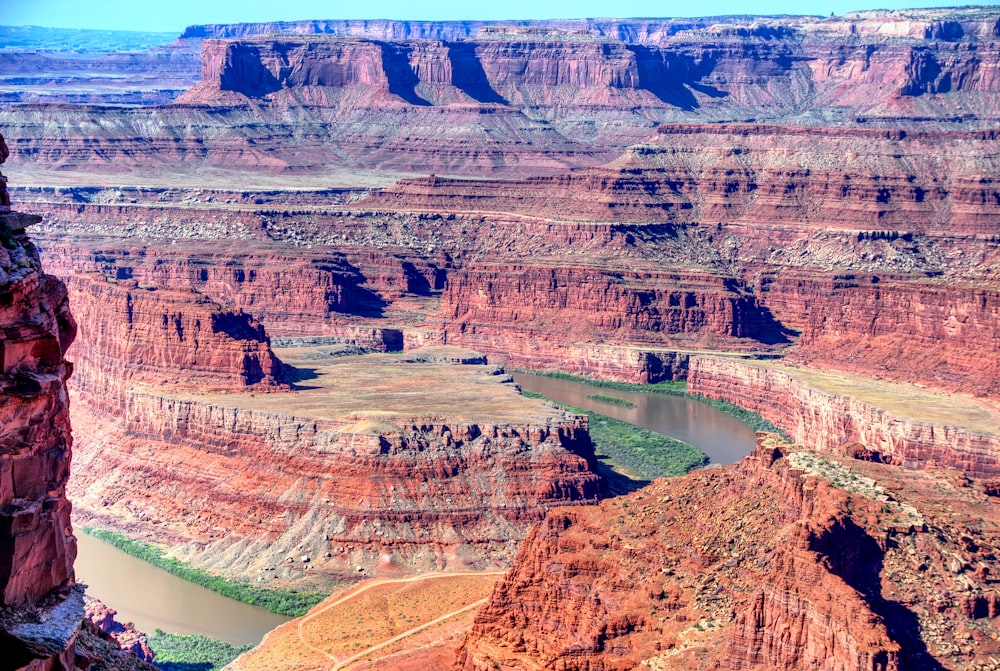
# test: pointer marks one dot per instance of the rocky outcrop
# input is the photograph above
(130, 77)
(37, 547)
(134, 334)
(836, 423)
(938, 24)
(781, 561)
(41, 607)
(128, 638)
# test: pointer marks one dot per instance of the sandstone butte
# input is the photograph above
(819, 191)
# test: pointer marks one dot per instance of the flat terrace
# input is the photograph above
(374, 392)
(907, 401)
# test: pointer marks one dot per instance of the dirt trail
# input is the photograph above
(378, 582)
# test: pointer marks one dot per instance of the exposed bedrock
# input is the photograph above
(942, 334)
(529, 102)
(837, 422)
(765, 176)
(785, 560)
(539, 316)
(237, 488)
(41, 607)
(37, 547)
(132, 333)
(738, 565)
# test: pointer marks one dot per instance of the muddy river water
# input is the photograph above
(722, 437)
(153, 598)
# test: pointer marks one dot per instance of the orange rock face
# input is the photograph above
(529, 100)
(770, 563)
(41, 607)
(258, 484)
(37, 547)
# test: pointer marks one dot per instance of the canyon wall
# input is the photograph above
(835, 423)
(781, 561)
(42, 623)
(247, 488)
(134, 333)
(521, 101)
(760, 175)
(37, 546)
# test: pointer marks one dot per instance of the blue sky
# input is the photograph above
(174, 15)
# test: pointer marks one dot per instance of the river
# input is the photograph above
(152, 598)
(722, 437)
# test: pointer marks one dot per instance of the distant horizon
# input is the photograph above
(174, 17)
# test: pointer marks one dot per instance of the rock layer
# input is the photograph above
(529, 101)
(251, 486)
(783, 560)
(41, 607)
(37, 547)
(146, 334)
(837, 423)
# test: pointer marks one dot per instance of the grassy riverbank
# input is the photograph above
(613, 400)
(669, 388)
(178, 652)
(642, 452)
(283, 602)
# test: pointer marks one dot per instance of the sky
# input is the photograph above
(175, 15)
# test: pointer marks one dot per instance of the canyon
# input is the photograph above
(298, 282)
(42, 617)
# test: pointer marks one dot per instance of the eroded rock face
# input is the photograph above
(529, 101)
(134, 334)
(832, 422)
(37, 547)
(41, 607)
(771, 563)
(248, 487)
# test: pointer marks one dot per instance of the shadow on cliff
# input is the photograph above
(674, 78)
(248, 75)
(857, 558)
(615, 483)
(398, 71)
(185, 666)
(468, 75)
(770, 331)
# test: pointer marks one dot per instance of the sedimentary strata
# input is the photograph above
(41, 608)
(783, 560)
(894, 423)
(377, 465)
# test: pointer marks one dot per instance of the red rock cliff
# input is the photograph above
(41, 607)
(782, 561)
(134, 334)
(832, 422)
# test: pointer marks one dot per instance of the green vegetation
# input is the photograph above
(752, 419)
(670, 388)
(176, 652)
(283, 602)
(614, 400)
(645, 453)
